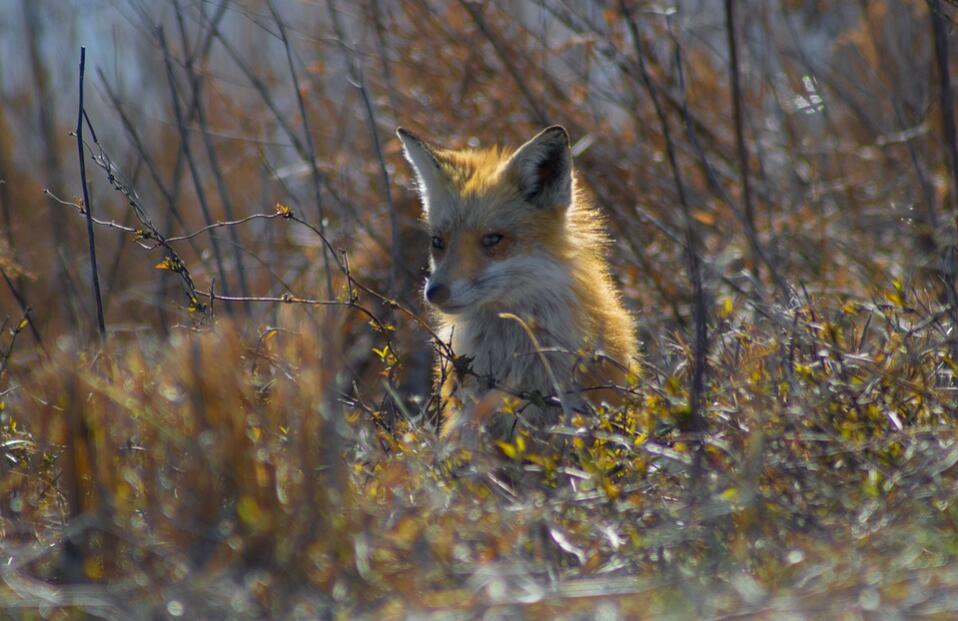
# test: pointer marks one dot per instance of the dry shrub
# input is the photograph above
(156, 459)
(278, 459)
(215, 472)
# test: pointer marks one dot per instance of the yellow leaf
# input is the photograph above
(703, 216)
(382, 353)
(729, 494)
(802, 370)
(895, 298)
(508, 450)
(611, 489)
(249, 511)
(725, 308)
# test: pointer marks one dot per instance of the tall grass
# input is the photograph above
(789, 449)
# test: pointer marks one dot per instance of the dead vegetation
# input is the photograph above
(254, 437)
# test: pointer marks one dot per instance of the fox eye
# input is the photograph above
(490, 240)
(437, 242)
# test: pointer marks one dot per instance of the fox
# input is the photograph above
(519, 284)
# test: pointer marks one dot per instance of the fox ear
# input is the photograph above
(543, 169)
(425, 162)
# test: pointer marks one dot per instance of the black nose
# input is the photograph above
(437, 294)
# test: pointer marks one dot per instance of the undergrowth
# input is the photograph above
(210, 474)
(254, 434)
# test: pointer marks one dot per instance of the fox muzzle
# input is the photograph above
(437, 293)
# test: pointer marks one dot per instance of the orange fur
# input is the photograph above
(513, 233)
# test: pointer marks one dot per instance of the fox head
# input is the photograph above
(497, 219)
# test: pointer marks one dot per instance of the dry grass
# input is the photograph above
(278, 458)
(207, 472)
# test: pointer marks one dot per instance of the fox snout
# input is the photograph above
(437, 293)
(450, 294)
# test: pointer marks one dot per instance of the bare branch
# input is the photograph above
(95, 277)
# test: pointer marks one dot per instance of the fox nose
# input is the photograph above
(437, 294)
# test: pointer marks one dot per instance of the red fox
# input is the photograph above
(519, 280)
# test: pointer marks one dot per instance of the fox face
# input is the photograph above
(496, 220)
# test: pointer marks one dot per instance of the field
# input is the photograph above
(239, 420)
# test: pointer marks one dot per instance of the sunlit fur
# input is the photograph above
(549, 269)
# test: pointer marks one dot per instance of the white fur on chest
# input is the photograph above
(500, 347)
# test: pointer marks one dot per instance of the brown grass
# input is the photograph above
(276, 456)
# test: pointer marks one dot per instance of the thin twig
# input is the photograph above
(700, 350)
(113, 272)
(716, 186)
(310, 148)
(179, 267)
(101, 323)
(53, 166)
(82, 210)
(380, 30)
(740, 135)
(196, 87)
(945, 95)
(25, 308)
(539, 115)
(14, 331)
(216, 225)
(537, 348)
(358, 80)
(188, 153)
(284, 299)
(168, 195)
(950, 138)
(384, 171)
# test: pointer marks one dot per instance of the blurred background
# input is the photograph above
(213, 111)
(781, 173)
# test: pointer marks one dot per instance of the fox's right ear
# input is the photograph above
(425, 162)
(542, 168)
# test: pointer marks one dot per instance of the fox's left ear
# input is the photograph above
(425, 163)
(542, 168)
